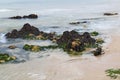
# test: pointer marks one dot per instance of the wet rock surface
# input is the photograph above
(73, 41)
(26, 29)
(29, 32)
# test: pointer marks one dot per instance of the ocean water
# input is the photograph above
(57, 13)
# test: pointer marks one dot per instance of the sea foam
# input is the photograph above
(2, 38)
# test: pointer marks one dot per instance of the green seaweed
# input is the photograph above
(5, 58)
(113, 73)
(94, 33)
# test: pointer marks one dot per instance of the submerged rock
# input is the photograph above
(31, 16)
(12, 47)
(110, 14)
(76, 23)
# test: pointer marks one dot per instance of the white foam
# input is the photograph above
(5, 10)
(37, 76)
(2, 38)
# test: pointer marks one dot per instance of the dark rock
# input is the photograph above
(25, 16)
(31, 16)
(13, 34)
(98, 51)
(16, 17)
(110, 14)
(26, 30)
(74, 41)
(30, 32)
(76, 23)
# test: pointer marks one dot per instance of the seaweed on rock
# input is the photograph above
(6, 58)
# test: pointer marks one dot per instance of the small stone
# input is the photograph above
(13, 57)
(12, 47)
(2, 61)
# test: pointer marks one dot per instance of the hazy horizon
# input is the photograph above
(53, 3)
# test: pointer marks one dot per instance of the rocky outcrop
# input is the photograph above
(110, 14)
(30, 32)
(26, 30)
(31, 16)
(73, 41)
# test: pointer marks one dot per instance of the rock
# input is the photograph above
(13, 34)
(94, 33)
(26, 30)
(76, 23)
(16, 17)
(99, 41)
(35, 48)
(31, 16)
(75, 45)
(5, 58)
(30, 32)
(98, 51)
(74, 41)
(12, 47)
(110, 14)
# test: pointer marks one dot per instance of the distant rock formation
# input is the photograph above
(31, 16)
(110, 14)
(76, 23)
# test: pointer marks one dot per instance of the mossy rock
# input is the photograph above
(5, 58)
(94, 33)
(99, 41)
(27, 47)
(36, 48)
(74, 53)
